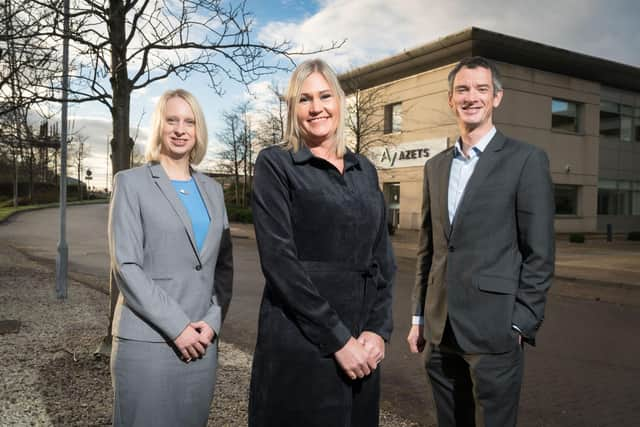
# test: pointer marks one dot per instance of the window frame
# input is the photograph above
(390, 113)
(577, 122)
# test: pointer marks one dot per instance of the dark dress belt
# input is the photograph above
(368, 271)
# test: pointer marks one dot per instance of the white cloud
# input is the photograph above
(375, 29)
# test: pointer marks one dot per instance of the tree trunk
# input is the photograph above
(31, 156)
(121, 144)
(244, 161)
(79, 170)
(16, 178)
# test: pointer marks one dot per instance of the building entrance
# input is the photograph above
(391, 192)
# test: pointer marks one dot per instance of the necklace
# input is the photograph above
(183, 192)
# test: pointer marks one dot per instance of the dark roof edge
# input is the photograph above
(499, 47)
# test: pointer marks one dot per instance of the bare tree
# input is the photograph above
(27, 67)
(78, 152)
(272, 119)
(232, 138)
(28, 58)
(121, 46)
(366, 116)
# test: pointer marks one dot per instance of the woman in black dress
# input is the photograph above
(327, 259)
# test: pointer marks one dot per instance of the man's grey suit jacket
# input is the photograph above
(165, 282)
(492, 267)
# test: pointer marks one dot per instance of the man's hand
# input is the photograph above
(416, 339)
(353, 358)
(188, 343)
(374, 344)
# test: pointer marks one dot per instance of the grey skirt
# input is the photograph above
(154, 387)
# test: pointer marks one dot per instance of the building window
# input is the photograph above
(616, 121)
(618, 197)
(566, 199)
(636, 123)
(393, 117)
(564, 115)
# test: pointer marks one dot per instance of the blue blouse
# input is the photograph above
(192, 200)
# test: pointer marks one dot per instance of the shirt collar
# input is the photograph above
(479, 147)
(304, 155)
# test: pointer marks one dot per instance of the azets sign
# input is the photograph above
(408, 154)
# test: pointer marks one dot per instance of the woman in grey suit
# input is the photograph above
(171, 260)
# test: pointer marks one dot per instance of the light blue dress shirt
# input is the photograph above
(461, 170)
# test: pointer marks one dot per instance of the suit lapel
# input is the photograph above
(444, 171)
(162, 181)
(207, 197)
(486, 163)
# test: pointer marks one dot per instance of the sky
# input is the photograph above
(373, 30)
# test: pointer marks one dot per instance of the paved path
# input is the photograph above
(583, 372)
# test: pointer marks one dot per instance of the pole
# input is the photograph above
(63, 250)
(106, 182)
(13, 72)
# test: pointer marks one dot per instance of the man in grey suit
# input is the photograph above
(485, 258)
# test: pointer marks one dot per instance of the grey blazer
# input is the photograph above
(492, 267)
(164, 282)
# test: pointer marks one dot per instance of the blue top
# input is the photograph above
(192, 200)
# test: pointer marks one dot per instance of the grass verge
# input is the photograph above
(6, 212)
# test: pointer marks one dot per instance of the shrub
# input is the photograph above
(239, 214)
(634, 235)
(576, 238)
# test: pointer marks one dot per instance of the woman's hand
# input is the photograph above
(188, 343)
(206, 333)
(353, 359)
(374, 344)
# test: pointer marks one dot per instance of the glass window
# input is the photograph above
(636, 123)
(635, 199)
(618, 197)
(393, 118)
(566, 199)
(616, 121)
(609, 119)
(564, 115)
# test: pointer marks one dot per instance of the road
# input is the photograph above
(584, 371)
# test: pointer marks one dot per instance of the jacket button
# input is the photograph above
(452, 249)
(198, 267)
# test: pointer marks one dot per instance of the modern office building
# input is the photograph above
(584, 111)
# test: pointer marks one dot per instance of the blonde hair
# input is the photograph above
(154, 144)
(292, 135)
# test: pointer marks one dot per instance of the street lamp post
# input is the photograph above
(62, 258)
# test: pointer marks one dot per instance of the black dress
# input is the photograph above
(328, 264)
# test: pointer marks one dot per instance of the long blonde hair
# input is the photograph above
(292, 135)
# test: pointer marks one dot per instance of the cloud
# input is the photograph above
(375, 29)
(98, 131)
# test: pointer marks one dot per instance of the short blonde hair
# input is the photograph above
(292, 135)
(154, 144)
